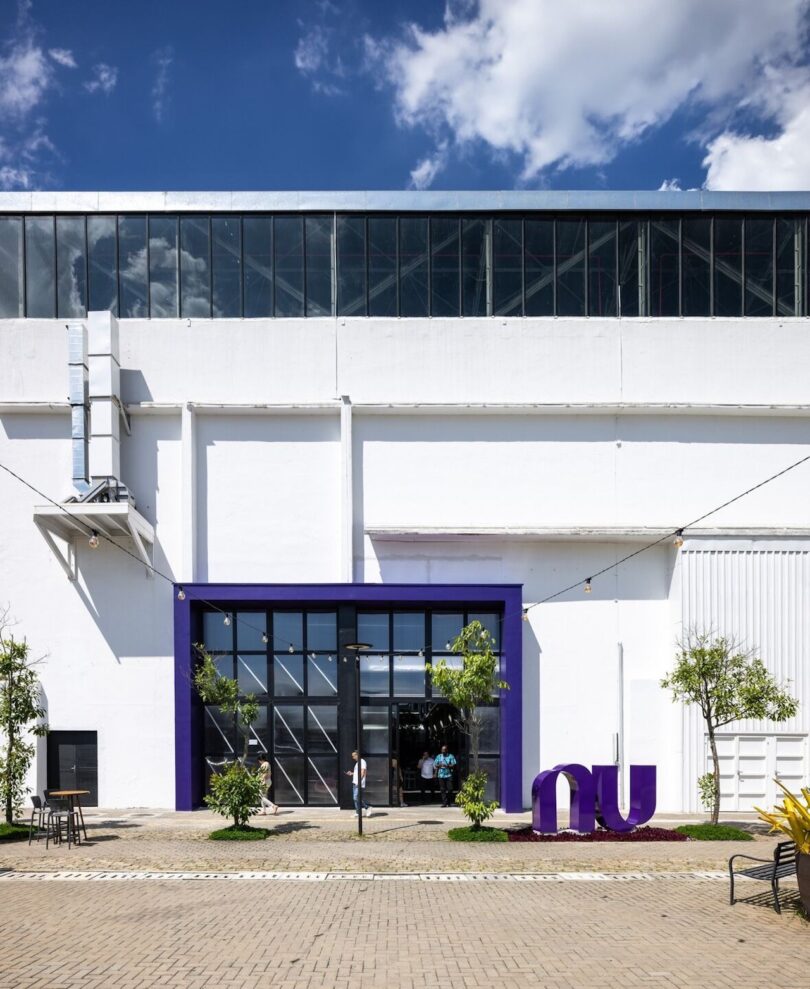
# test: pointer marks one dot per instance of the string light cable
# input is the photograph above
(95, 536)
(676, 535)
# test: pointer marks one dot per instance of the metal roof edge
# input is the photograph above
(401, 201)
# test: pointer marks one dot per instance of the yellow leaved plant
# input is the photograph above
(792, 817)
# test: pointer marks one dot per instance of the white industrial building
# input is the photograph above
(468, 400)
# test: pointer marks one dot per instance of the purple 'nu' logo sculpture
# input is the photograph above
(594, 797)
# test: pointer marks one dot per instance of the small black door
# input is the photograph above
(73, 763)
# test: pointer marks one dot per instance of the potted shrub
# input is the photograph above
(792, 817)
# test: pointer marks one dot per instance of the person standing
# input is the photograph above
(444, 764)
(427, 774)
(358, 776)
(266, 777)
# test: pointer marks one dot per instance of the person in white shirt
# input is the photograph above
(359, 786)
(427, 774)
(266, 777)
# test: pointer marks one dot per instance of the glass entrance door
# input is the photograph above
(421, 730)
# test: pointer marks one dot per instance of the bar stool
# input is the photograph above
(62, 813)
(39, 811)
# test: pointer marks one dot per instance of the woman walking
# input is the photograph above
(266, 777)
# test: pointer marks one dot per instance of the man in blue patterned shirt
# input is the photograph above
(444, 763)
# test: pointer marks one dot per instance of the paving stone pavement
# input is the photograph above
(396, 840)
(670, 934)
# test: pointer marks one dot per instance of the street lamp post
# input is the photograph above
(356, 648)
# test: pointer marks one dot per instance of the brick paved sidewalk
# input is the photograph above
(395, 841)
(588, 935)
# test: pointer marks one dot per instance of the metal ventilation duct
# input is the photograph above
(79, 398)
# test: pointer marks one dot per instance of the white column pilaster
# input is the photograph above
(346, 492)
(188, 435)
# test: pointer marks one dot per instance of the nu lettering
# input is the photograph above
(594, 797)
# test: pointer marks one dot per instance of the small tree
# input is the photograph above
(467, 689)
(237, 791)
(728, 684)
(21, 715)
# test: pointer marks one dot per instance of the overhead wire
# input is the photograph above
(100, 534)
(676, 533)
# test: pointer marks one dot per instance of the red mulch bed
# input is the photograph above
(639, 834)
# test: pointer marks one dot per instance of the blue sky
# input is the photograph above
(359, 94)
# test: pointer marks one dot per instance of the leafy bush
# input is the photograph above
(470, 799)
(477, 834)
(714, 832)
(21, 715)
(791, 817)
(707, 788)
(236, 793)
(242, 833)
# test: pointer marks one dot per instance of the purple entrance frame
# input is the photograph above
(506, 597)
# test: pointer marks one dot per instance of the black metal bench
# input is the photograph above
(782, 864)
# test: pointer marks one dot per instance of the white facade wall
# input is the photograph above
(482, 450)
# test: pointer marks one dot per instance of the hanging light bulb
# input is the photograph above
(181, 594)
(677, 542)
(421, 653)
(525, 615)
(93, 540)
(447, 645)
(265, 638)
(227, 619)
(291, 648)
(588, 586)
(328, 659)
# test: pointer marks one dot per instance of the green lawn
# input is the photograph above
(13, 832)
(714, 832)
(244, 833)
(481, 834)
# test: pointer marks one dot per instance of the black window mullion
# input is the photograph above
(429, 267)
(398, 267)
(55, 271)
(617, 283)
(554, 262)
(744, 224)
(460, 270)
(24, 264)
(587, 265)
(86, 268)
(711, 266)
(210, 268)
(523, 265)
(241, 268)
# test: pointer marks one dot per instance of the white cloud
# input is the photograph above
(777, 162)
(63, 56)
(425, 172)
(15, 178)
(160, 89)
(670, 185)
(104, 79)
(568, 85)
(311, 51)
(25, 76)
(314, 60)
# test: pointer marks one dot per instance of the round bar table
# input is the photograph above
(73, 796)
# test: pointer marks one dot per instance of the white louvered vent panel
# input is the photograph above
(762, 597)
